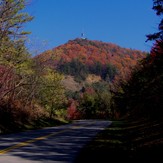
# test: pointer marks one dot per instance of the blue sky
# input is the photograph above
(123, 22)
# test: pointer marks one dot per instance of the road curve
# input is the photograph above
(59, 144)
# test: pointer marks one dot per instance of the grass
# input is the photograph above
(126, 141)
(37, 124)
(45, 122)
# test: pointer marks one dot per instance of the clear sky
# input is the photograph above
(123, 22)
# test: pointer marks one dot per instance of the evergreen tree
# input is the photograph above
(158, 7)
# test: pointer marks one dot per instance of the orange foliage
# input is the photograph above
(92, 52)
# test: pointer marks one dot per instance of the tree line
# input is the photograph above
(28, 89)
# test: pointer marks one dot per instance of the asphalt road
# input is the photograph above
(59, 144)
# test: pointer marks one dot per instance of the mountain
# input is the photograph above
(81, 57)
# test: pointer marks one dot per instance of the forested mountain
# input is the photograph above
(92, 70)
(80, 57)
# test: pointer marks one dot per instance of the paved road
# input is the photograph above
(58, 144)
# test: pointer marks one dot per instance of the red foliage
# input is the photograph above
(92, 52)
(6, 80)
(90, 90)
(156, 50)
(72, 112)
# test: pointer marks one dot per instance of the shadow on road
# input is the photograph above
(62, 147)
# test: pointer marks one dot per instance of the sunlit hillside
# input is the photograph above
(81, 57)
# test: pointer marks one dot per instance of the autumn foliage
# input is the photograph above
(72, 111)
(81, 57)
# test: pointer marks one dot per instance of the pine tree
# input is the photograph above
(158, 7)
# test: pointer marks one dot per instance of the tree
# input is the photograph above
(52, 93)
(13, 53)
(158, 7)
(12, 36)
(142, 96)
(12, 19)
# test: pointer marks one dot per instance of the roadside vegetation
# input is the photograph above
(29, 91)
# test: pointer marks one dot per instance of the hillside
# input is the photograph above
(91, 70)
(80, 57)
